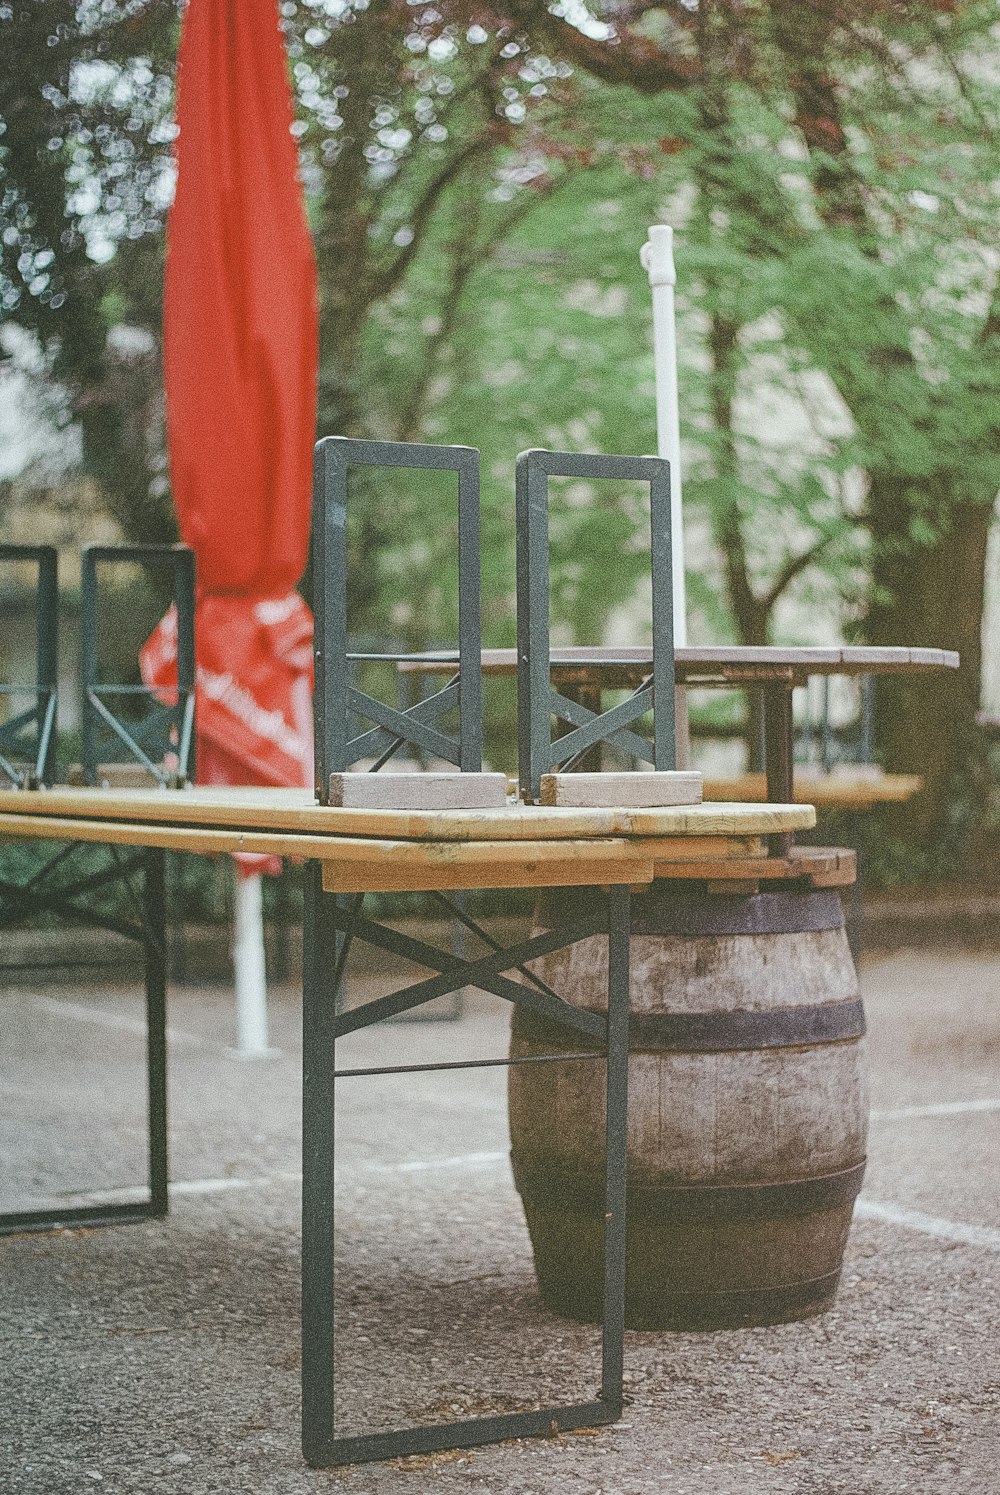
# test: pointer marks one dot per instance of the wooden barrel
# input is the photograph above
(747, 1112)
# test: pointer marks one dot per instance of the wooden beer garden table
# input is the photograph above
(775, 671)
(382, 851)
(352, 851)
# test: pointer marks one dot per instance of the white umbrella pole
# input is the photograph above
(657, 257)
(249, 969)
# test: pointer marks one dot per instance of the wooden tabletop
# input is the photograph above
(392, 850)
(851, 788)
(625, 668)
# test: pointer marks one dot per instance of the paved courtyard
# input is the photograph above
(164, 1357)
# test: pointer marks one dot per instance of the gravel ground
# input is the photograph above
(164, 1356)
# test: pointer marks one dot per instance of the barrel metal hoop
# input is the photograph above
(721, 1032)
(696, 1204)
(711, 1310)
(696, 914)
(741, 1030)
(665, 910)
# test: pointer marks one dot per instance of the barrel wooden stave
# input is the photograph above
(731, 1126)
(693, 1277)
(694, 1119)
(713, 972)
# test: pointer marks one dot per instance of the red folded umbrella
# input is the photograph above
(240, 362)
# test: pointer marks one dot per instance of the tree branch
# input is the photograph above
(469, 253)
(640, 63)
(385, 280)
(792, 567)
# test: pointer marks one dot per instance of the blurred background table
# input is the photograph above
(775, 672)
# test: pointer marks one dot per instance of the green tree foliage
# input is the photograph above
(402, 116)
(85, 172)
(835, 178)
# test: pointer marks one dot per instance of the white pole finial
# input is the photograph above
(657, 257)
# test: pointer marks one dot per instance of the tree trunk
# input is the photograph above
(930, 595)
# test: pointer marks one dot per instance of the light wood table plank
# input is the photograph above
(514, 847)
(274, 811)
(828, 791)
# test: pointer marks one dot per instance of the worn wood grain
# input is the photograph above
(669, 849)
(418, 791)
(294, 810)
(605, 865)
(625, 790)
(822, 867)
(842, 790)
(359, 864)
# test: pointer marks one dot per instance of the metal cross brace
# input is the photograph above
(326, 923)
(337, 699)
(166, 728)
(538, 701)
(71, 895)
(29, 736)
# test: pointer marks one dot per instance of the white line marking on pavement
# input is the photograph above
(939, 1108)
(420, 1165)
(120, 1021)
(865, 1208)
(426, 1165)
(228, 1185)
(188, 1186)
(943, 1230)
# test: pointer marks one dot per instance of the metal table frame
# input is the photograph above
(338, 700)
(333, 922)
(537, 699)
(60, 888)
(55, 889)
(326, 924)
(166, 726)
(38, 720)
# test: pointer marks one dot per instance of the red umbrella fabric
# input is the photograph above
(240, 365)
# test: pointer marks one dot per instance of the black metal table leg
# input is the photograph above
(616, 1126)
(318, 1034)
(147, 928)
(324, 918)
(155, 918)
